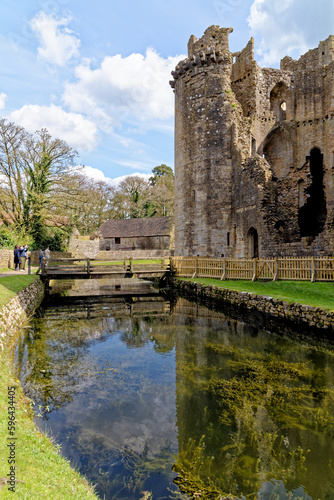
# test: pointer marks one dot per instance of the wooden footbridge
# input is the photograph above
(71, 268)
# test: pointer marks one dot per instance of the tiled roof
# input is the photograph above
(128, 228)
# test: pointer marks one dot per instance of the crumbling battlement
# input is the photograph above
(254, 151)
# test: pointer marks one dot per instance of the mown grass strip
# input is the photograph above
(318, 294)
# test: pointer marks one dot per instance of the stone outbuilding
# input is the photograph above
(151, 233)
(254, 151)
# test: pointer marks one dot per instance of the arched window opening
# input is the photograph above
(280, 101)
(253, 243)
(282, 111)
(312, 214)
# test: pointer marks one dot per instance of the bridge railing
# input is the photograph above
(64, 264)
(72, 266)
(280, 268)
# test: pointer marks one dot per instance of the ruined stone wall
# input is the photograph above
(254, 154)
(206, 128)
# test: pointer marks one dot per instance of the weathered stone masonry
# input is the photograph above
(254, 151)
(14, 314)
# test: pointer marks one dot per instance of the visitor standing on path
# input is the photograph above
(47, 255)
(23, 256)
(17, 258)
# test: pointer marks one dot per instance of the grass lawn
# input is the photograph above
(318, 294)
(40, 471)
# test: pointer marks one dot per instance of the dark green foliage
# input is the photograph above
(160, 171)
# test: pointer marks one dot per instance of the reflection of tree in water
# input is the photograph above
(247, 416)
(141, 331)
(54, 362)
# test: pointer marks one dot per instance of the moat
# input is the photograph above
(157, 397)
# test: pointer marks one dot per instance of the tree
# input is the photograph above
(31, 170)
(88, 203)
(162, 196)
(36, 202)
(133, 195)
(161, 171)
(12, 144)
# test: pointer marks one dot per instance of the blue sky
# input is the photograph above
(96, 73)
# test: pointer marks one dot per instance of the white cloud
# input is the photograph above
(58, 44)
(91, 172)
(79, 132)
(3, 98)
(98, 175)
(117, 180)
(132, 89)
(289, 27)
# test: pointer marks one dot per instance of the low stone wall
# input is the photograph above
(82, 249)
(292, 313)
(14, 314)
(7, 258)
(135, 254)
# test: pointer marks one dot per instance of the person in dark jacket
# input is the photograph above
(23, 256)
(17, 261)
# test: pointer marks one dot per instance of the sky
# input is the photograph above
(96, 73)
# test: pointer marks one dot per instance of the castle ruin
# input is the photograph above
(254, 151)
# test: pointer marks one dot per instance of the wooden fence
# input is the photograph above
(280, 268)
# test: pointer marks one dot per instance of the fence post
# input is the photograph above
(29, 265)
(88, 266)
(43, 267)
(312, 270)
(195, 273)
(171, 264)
(255, 269)
(276, 269)
(223, 278)
(131, 265)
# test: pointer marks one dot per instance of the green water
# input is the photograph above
(157, 399)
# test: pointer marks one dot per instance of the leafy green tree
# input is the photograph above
(31, 170)
(35, 205)
(161, 171)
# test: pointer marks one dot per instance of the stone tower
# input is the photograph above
(254, 151)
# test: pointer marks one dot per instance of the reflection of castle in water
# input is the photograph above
(211, 352)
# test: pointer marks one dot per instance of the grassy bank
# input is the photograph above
(318, 294)
(40, 471)
(11, 285)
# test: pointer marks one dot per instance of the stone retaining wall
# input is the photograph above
(292, 313)
(135, 254)
(14, 314)
(7, 258)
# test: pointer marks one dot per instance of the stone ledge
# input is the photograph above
(293, 313)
